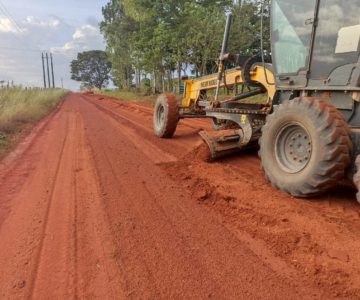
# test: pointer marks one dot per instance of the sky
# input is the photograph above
(64, 28)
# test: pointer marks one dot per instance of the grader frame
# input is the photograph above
(308, 130)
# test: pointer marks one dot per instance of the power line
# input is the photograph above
(45, 57)
(10, 17)
(11, 32)
(17, 27)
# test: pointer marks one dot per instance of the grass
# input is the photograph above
(20, 108)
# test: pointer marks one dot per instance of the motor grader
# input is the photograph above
(308, 129)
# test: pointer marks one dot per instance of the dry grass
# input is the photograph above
(19, 108)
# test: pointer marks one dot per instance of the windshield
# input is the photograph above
(291, 34)
(337, 37)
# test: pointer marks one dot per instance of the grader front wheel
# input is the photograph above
(166, 116)
(305, 147)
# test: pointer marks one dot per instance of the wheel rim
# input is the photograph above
(293, 148)
(160, 116)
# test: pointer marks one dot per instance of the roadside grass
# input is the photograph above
(21, 108)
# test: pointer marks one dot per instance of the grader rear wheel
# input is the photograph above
(305, 147)
(166, 116)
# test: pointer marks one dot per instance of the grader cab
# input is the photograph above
(308, 127)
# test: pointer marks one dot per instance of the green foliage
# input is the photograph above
(164, 38)
(92, 68)
(246, 30)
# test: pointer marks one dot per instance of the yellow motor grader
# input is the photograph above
(308, 127)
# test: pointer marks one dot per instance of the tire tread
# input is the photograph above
(172, 118)
(335, 136)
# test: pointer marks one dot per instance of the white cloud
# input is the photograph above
(84, 31)
(20, 52)
(85, 38)
(52, 23)
(7, 26)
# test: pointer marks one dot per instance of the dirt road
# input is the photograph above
(93, 206)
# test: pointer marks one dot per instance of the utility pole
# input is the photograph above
(48, 70)
(52, 70)
(62, 83)
(43, 65)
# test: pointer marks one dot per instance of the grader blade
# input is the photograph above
(222, 143)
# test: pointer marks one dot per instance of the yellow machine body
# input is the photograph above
(258, 74)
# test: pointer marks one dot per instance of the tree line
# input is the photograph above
(158, 41)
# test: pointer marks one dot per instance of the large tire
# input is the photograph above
(166, 116)
(305, 147)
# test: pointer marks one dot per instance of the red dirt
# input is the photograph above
(93, 205)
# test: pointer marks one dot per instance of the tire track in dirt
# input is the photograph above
(130, 213)
(13, 169)
(93, 239)
(35, 271)
(134, 111)
(142, 280)
(21, 233)
(127, 264)
(152, 151)
(185, 139)
(133, 216)
(53, 242)
(155, 206)
(241, 178)
(72, 274)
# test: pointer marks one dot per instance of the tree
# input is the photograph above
(246, 30)
(160, 38)
(118, 29)
(92, 68)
